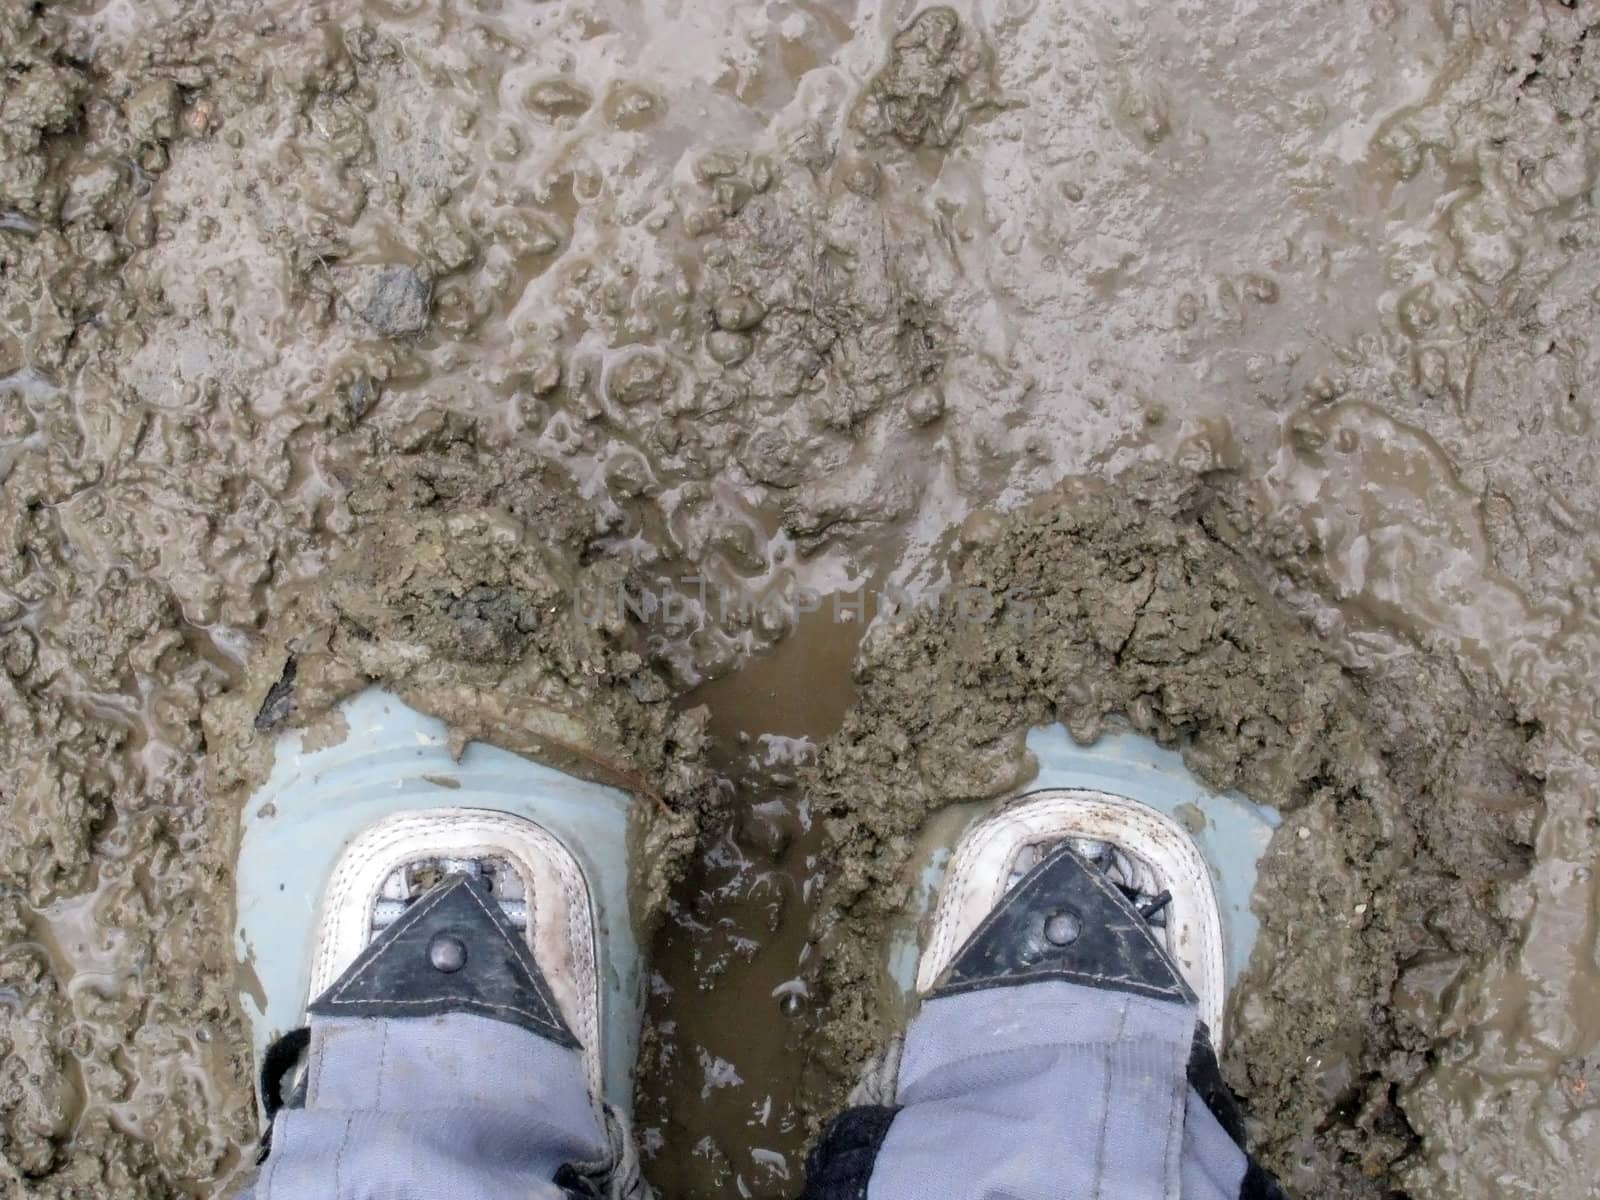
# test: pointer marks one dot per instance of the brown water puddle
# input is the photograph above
(716, 1099)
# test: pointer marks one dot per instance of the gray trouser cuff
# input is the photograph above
(455, 1105)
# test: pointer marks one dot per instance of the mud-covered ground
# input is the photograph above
(1250, 345)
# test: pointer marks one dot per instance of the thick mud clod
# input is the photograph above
(1408, 794)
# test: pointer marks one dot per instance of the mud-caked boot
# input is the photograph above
(458, 1007)
(1070, 983)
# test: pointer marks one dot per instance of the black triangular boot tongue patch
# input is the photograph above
(453, 950)
(1065, 920)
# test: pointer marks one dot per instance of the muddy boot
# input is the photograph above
(460, 995)
(1070, 981)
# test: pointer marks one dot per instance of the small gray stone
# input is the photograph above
(361, 395)
(398, 302)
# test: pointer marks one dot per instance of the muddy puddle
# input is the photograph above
(1249, 348)
(721, 1105)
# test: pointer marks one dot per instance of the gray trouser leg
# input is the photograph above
(456, 1106)
(1043, 1091)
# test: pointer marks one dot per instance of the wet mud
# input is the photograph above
(1250, 347)
(1409, 798)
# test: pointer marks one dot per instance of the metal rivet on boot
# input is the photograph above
(447, 953)
(1062, 929)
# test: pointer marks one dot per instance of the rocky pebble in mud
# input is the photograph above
(341, 343)
(397, 301)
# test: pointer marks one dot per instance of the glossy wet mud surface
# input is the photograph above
(356, 342)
